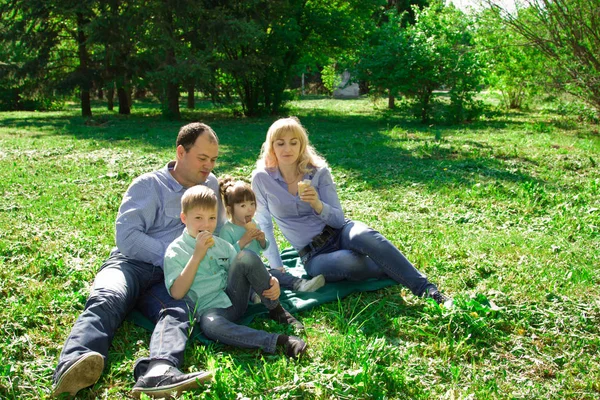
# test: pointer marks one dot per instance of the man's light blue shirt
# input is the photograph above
(148, 219)
(208, 289)
(232, 233)
(296, 219)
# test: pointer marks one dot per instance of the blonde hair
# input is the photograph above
(198, 196)
(308, 158)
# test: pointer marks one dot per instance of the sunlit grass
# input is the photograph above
(503, 213)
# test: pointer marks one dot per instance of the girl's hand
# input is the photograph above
(260, 236)
(247, 237)
(311, 196)
(273, 292)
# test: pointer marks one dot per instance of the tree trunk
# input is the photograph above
(85, 84)
(391, 100)
(100, 94)
(172, 109)
(426, 97)
(123, 101)
(110, 97)
(191, 101)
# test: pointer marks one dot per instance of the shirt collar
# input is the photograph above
(276, 174)
(188, 239)
(175, 186)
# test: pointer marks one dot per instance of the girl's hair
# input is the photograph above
(308, 158)
(234, 191)
(198, 196)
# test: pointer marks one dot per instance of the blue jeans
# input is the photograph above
(358, 252)
(121, 285)
(286, 280)
(246, 272)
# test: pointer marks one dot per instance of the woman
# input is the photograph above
(313, 220)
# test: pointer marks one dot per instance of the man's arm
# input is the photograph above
(137, 214)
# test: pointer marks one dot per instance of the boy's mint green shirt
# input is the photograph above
(233, 233)
(208, 288)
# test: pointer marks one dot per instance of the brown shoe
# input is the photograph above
(282, 316)
(173, 382)
(82, 373)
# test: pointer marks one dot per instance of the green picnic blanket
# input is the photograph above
(294, 302)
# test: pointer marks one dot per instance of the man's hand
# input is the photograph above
(273, 292)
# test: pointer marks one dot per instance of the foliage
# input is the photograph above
(259, 44)
(513, 66)
(504, 214)
(567, 32)
(436, 52)
(330, 77)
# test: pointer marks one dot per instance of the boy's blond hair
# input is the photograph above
(198, 196)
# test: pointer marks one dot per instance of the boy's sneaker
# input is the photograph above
(311, 285)
(84, 372)
(295, 347)
(282, 316)
(173, 382)
(438, 297)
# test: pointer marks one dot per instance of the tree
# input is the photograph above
(51, 32)
(435, 52)
(513, 65)
(259, 44)
(567, 32)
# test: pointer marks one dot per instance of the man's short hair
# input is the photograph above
(189, 133)
(198, 196)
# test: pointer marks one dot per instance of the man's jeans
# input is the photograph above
(121, 285)
(246, 272)
(358, 252)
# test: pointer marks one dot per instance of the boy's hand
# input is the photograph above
(273, 292)
(204, 240)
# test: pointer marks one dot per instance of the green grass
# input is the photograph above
(504, 214)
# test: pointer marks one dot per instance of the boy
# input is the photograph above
(208, 272)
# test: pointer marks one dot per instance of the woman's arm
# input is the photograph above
(323, 198)
(265, 220)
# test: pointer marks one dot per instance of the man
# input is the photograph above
(132, 277)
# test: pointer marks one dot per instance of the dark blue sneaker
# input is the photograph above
(173, 382)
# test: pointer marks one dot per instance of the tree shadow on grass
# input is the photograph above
(359, 145)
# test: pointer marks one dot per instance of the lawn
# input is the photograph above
(503, 214)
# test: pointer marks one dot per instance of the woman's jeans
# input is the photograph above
(121, 285)
(358, 252)
(246, 272)
(286, 280)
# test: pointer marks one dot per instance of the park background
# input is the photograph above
(474, 147)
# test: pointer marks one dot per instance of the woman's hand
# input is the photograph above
(273, 292)
(311, 196)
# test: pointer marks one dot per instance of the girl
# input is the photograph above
(243, 233)
(313, 220)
